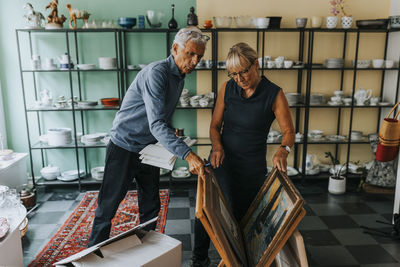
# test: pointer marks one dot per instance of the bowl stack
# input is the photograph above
(59, 136)
(50, 172)
(97, 173)
(333, 63)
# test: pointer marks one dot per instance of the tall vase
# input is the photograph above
(331, 22)
(347, 22)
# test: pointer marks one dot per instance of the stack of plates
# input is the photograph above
(71, 175)
(356, 135)
(92, 139)
(332, 63)
(317, 99)
(336, 138)
(294, 98)
(87, 104)
(59, 136)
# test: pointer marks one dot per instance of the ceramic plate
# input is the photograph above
(176, 174)
(292, 171)
(384, 103)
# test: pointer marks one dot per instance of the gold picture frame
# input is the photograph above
(269, 222)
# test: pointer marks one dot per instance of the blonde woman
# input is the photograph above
(246, 106)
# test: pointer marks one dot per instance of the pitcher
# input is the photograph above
(362, 95)
(46, 98)
(310, 161)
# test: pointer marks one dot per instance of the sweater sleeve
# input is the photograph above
(154, 97)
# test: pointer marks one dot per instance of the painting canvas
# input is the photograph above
(272, 217)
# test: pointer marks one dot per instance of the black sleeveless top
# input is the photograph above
(246, 123)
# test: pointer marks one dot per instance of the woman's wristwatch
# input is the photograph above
(287, 148)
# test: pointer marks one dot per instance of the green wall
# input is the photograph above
(142, 48)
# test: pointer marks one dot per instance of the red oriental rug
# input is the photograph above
(73, 235)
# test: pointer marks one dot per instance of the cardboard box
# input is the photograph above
(135, 247)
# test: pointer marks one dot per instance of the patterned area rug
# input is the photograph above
(73, 235)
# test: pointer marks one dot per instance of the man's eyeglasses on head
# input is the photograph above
(242, 73)
(197, 35)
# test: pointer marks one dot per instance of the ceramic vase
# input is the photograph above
(331, 22)
(337, 186)
(347, 22)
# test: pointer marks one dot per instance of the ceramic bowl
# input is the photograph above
(377, 63)
(222, 22)
(301, 23)
(85, 66)
(275, 22)
(154, 18)
(127, 23)
(6, 154)
(244, 22)
(50, 172)
(110, 102)
(97, 173)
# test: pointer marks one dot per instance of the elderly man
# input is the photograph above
(143, 119)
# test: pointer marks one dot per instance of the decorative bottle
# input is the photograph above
(172, 24)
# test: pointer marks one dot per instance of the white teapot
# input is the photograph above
(362, 95)
(46, 98)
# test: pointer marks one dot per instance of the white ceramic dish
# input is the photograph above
(179, 174)
(291, 171)
(86, 66)
(97, 173)
(313, 171)
(50, 172)
(324, 167)
(383, 103)
(69, 176)
(336, 137)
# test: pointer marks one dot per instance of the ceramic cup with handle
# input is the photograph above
(362, 95)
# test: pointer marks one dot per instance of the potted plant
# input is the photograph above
(337, 7)
(337, 182)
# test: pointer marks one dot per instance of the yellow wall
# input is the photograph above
(326, 45)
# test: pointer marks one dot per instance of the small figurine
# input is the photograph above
(53, 21)
(75, 14)
(192, 18)
(33, 18)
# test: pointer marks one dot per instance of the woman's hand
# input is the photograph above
(280, 159)
(217, 157)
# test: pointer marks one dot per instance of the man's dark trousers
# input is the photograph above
(120, 168)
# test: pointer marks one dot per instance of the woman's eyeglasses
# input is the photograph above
(244, 73)
(197, 35)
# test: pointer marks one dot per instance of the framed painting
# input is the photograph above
(269, 222)
(271, 218)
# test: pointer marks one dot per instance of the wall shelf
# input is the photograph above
(304, 78)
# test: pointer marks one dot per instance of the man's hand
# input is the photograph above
(196, 164)
(280, 159)
(217, 157)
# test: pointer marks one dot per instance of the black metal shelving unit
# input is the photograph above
(305, 54)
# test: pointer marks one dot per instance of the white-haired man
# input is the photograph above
(144, 118)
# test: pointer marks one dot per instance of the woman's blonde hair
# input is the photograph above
(240, 55)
